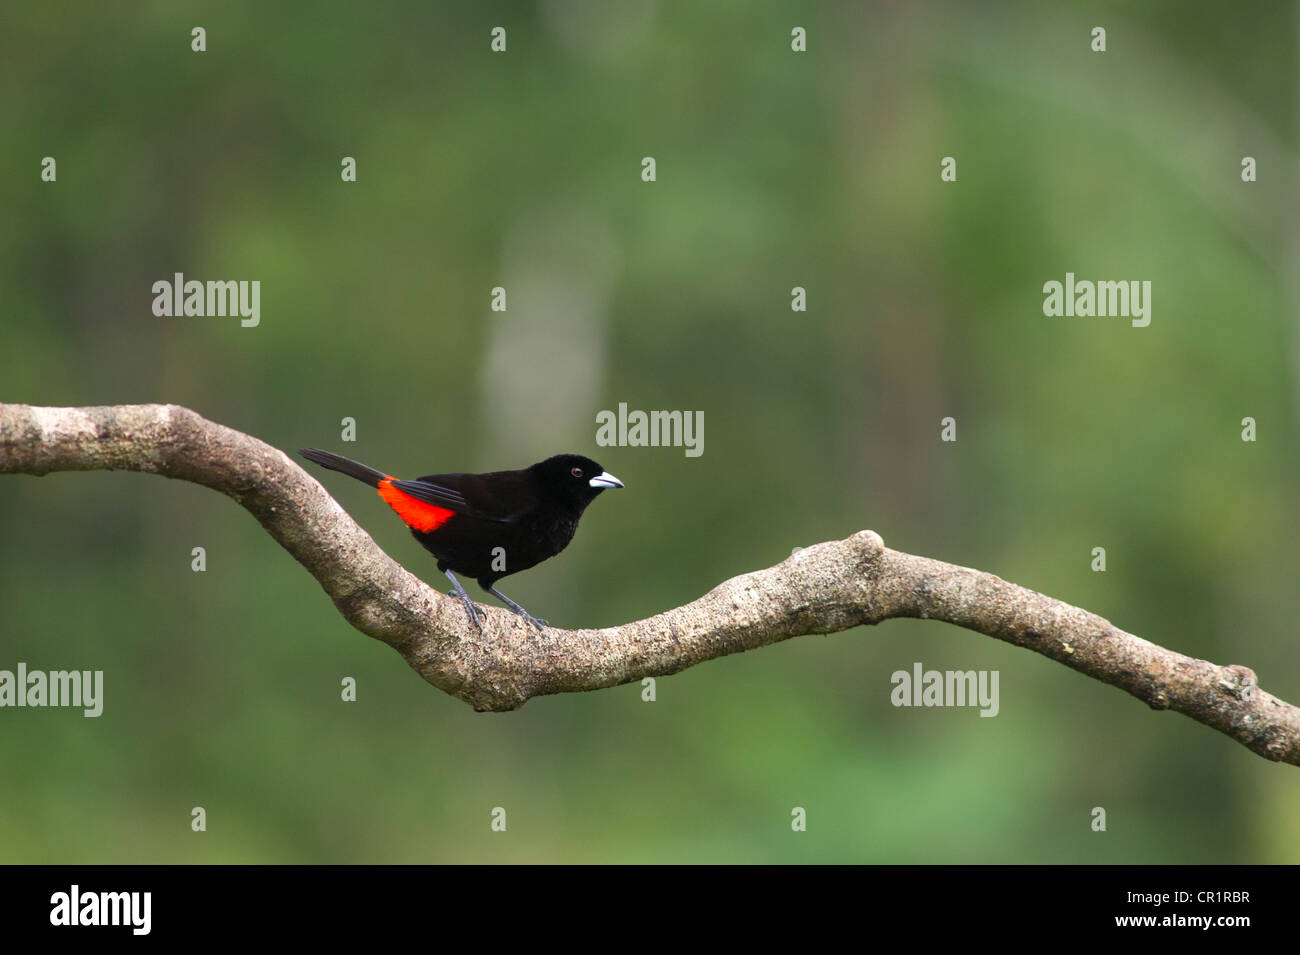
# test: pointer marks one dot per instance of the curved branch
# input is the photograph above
(821, 589)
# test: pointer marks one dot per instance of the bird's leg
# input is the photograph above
(539, 624)
(470, 607)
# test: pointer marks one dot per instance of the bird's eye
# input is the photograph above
(576, 472)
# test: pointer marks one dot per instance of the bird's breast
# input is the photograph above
(554, 531)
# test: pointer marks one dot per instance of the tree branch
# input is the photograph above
(821, 589)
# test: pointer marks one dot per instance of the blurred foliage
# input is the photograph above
(775, 169)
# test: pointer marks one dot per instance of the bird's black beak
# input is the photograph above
(604, 479)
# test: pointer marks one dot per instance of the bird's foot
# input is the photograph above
(535, 621)
(514, 607)
(463, 598)
(475, 614)
(474, 610)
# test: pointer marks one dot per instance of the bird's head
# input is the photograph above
(574, 478)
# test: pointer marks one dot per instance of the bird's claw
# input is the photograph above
(476, 616)
(537, 622)
(474, 610)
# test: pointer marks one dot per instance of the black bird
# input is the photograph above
(488, 526)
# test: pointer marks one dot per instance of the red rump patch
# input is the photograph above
(419, 515)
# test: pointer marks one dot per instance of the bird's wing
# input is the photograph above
(503, 496)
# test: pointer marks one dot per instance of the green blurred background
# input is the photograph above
(775, 170)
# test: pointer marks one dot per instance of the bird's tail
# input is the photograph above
(336, 462)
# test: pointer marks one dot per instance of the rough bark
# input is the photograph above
(820, 589)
